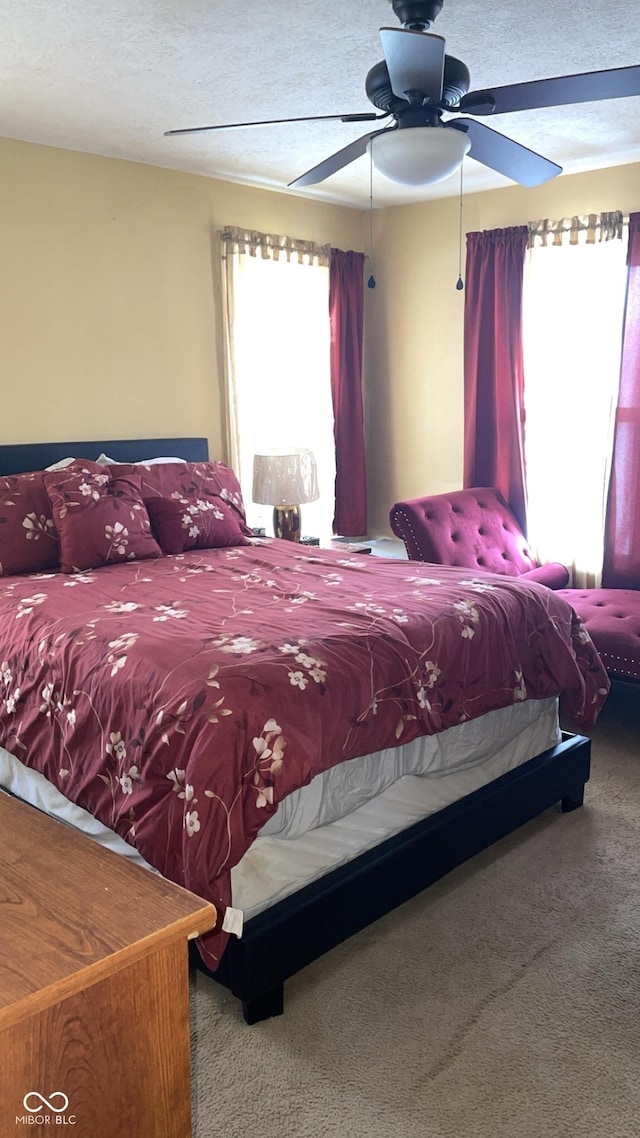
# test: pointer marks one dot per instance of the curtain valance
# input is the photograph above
(584, 229)
(271, 246)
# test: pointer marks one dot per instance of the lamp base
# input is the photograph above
(286, 522)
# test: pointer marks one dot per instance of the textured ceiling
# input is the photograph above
(110, 77)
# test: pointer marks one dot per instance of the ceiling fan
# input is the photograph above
(417, 83)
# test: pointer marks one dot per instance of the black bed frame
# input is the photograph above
(292, 933)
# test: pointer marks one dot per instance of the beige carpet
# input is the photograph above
(502, 1003)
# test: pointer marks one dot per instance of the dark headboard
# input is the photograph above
(16, 458)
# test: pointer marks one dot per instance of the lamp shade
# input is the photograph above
(285, 477)
(419, 155)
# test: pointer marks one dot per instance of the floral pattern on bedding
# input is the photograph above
(192, 480)
(28, 538)
(181, 524)
(100, 520)
(180, 700)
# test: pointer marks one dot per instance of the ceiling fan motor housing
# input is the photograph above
(379, 91)
(378, 86)
(417, 14)
(457, 81)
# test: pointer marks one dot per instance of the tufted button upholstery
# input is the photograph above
(473, 528)
(612, 619)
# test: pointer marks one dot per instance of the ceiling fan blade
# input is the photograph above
(505, 155)
(593, 86)
(415, 62)
(335, 162)
(366, 116)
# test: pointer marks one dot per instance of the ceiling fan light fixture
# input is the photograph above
(419, 155)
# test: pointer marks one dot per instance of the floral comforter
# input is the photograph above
(180, 699)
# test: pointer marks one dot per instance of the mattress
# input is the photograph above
(349, 808)
(275, 867)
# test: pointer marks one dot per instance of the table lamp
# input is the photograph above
(285, 478)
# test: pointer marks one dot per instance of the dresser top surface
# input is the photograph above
(69, 908)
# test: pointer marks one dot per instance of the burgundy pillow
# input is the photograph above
(28, 539)
(100, 520)
(212, 480)
(194, 523)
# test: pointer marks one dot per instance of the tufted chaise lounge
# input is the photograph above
(612, 619)
(475, 528)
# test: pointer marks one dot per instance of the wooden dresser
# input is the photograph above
(94, 987)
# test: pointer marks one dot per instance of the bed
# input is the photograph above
(303, 737)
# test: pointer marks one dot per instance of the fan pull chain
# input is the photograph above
(371, 283)
(460, 282)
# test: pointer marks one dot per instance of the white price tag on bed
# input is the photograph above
(233, 921)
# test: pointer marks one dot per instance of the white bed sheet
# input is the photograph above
(274, 868)
(349, 785)
(350, 808)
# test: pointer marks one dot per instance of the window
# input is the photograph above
(573, 308)
(278, 363)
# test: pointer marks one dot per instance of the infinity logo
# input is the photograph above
(45, 1102)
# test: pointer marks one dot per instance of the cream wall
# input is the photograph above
(110, 292)
(414, 379)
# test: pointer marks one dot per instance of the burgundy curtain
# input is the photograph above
(622, 539)
(493, 365)
(346, 313)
